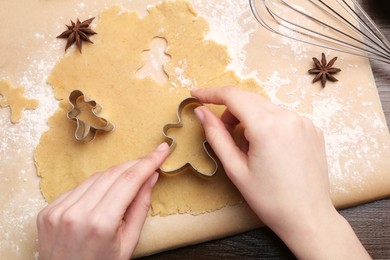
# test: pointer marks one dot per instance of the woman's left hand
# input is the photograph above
(101, 218)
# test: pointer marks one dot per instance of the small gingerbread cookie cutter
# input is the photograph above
(171, 142)
(82, 133)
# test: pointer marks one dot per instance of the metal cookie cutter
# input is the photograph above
(172, 144)
(86, 130)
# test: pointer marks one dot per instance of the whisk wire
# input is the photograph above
(333, 39)
(375, 31)
(325, 38)
(361, 38)
(331, 11)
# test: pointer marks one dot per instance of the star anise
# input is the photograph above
(324, 70)
(77, 32)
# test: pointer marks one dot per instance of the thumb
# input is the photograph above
(135, 216)
(232, 158)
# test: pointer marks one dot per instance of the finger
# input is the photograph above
(136, 214)
(95, 192)
(229, 120)
(232, 158)
(68, 198)
(94, 187)
(229, 96)
(126, 187)
(50, 217)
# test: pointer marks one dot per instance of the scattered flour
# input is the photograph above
(348, 145)
(224, 28)
(33, 122)
(179, 74)
(24, 199)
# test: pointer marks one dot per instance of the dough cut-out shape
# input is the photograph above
(155, 60)
(14, 98)
(171, 141)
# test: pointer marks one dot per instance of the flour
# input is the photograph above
(224, 28)
(274, 85)
(81, 5)
(345, 139)
(33, 122)
(179, 74)
(24, 198)
(341, 127)
(298, 48)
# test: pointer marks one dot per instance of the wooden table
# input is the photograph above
(371, 221)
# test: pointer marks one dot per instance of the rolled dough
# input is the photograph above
(15, 100)
(138, 107)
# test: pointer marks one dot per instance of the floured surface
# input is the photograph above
(348, 111)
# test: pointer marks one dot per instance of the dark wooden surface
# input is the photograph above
(370, 221)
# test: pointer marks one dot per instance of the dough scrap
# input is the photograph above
(14, 98)
(138, 107)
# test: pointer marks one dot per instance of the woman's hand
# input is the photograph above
(103, 217)
(281, 171)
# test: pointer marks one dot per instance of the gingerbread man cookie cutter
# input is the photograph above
(171, 141)
(86, 129)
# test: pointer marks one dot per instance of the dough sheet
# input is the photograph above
(139, 107)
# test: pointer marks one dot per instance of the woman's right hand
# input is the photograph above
(281, 172)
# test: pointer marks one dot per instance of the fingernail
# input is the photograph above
(199, 114)
(162, 147)
(194, 89)
(153, 179)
